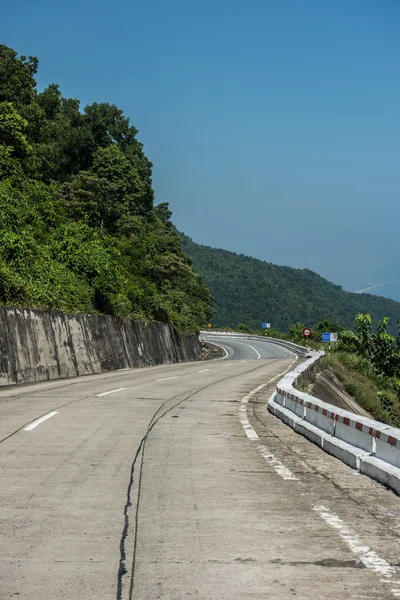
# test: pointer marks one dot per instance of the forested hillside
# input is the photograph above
(247, 290)
(79, 230)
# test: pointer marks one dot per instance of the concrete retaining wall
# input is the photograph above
(36, 345)
(364, 444)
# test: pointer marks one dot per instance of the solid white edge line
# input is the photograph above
(256, 351)
(38, 421)
(165, 378)
(224, 349)
(110, 392)
(204, 370)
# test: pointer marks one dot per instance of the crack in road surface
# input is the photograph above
(122, 562)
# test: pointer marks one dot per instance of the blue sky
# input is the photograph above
(273, 126)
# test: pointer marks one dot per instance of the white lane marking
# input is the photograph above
(110, 392)
(222, 348)
(276, 464)
(367, 556)
(256, 351)
(38, 421)
(248, 345)
(395, 591)
(166, 378)
(204, 370)
(248, 429)
(226, 366)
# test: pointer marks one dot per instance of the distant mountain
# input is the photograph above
(248, 290)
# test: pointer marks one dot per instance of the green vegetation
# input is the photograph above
(79, 230)
(368, 364)
(247, 290)
(371, 391)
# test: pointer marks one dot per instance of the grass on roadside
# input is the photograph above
(370, 390)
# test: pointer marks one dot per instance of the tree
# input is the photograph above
(78, 226)
(17, 82)
(109, 126)
(14, 145)
(365, 336)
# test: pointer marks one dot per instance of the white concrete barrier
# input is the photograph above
(369, 446)
(388, 444)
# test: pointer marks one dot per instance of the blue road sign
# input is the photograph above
(329, 337)
(266, 325)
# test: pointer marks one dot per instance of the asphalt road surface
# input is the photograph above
(174, 483)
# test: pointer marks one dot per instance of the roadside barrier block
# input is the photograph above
(381, 471)
(312, 433)
(294, 403)
(344, 452)
(356, 430)
(283, 414)
(369, 446)
(388, 445)
(321, 415)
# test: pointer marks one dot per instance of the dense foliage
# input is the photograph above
(380, 349)
(79, 230)
(247, 290)
(368, 365)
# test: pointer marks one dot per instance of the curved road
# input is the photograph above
(242, 349)
(174, 483)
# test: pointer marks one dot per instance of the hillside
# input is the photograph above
(79, 230)
(247, 290)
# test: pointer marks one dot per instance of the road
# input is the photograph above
(173, 483)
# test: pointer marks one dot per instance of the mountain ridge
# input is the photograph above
(249, 290)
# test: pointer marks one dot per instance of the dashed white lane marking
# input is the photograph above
(110, 392)
(166, 378)
(395, 591)
(367, 556)
(276, 464)
(38, 421)
(227, 365)
(204, 370)
(248, 429)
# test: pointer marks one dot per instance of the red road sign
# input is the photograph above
(307, 332)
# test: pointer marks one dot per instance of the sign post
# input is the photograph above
(307, 333)
(329, 337)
